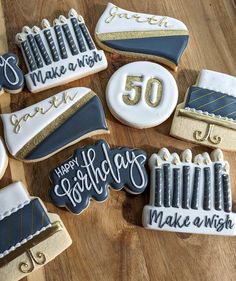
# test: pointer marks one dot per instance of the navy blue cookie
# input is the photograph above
(11, 76)
(91, 170)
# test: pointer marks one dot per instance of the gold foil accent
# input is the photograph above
(150, 92)
(31, 144)
(208, 119)
(199, 135)
(140, 18)
(139, 34)
(56, 226)
(39, 258)
(129, 86)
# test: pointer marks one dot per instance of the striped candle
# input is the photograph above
(158, 187)
(31, 64)
(207, 189)
(176, 188)
(41, 46)
(87, 36)
(167, 180)
(51, 44)
(186, 187)
(196, 188)
(35, 50)
(226, 190)
(60, 41)
(218, 186)
(78, 34)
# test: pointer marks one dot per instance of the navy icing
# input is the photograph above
(90, 117)
(212, 102)
(89, 172)
(168, 47)
(21, 224)
(11, 76)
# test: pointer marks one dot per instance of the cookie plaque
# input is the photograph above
(208, 112)
(60, 53)
(41, 130)
(192, 197)
(142, 94)
(89, 172)
(159, 38)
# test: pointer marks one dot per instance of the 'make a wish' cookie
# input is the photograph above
(11, 76)
(58, 54)
(190, 196)
(91, 170)
(41, 130)
(158, 38)
(208, 114)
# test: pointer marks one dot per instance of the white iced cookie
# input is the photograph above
(142, 94)
(60, 53)
(3, 159)
(192, 196)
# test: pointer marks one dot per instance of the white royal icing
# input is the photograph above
(28, 129)
(74, 66)
(217, 81)
(212, 221)
(12, 198)
(118, 23)
(3, 158)
(142, 115)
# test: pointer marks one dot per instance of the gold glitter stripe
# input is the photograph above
(37, 139)
(208, 119)
(140, 34)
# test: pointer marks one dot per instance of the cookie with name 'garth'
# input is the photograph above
(91, 170)
(190, 196)
(60, 53)
(159, 38)
(42, 129)
(142, 94)
(11, 76)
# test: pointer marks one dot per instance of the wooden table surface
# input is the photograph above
(109, 242)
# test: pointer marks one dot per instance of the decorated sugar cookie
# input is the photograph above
(159, 38)
(3, 158)
(40, 130)
(60, 53)
(208, 114)
(30, 236)
(89, 172)
(190, 196)
(11, 76)
(142, 94)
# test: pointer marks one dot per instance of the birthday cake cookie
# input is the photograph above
(192, 197)
(208, 112)
(11, 76)
(30, 236)
(91, 170)
(159, 38)
(41, 130)
(60, 53)
(142, 94)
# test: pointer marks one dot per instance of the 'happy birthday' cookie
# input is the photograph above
(142, 94)
(186, 196)
(89, 172)
(159, 38)
(11, 76)
(41, 130)
(208, 114)
(60, 53)
(30, 236)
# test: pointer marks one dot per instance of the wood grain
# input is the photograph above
(109, 242)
